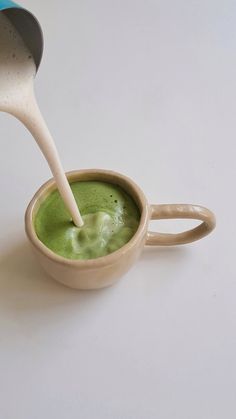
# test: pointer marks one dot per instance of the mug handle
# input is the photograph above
(170, 211)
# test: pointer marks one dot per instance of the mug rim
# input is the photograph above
(72, 176)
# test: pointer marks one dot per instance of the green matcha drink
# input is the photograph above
(110, 217)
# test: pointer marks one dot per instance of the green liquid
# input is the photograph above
(110, 217)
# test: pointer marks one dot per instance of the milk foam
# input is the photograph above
(17, 72)
(17, 67)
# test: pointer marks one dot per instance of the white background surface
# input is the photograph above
(146, 88)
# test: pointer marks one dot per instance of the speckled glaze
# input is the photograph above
(106, 270)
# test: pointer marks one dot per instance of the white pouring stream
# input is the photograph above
(17, 72)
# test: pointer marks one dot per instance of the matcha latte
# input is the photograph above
(110, 217)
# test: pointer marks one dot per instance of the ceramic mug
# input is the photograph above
(106, 270)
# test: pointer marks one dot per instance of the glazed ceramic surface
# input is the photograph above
(104, 271)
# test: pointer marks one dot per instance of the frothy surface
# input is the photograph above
(17, 67)
(110, 217)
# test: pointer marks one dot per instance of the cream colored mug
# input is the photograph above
(106, 270)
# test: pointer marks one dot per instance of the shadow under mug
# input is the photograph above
(106, 270)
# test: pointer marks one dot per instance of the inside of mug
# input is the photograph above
(108, 177)
(125, 184)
